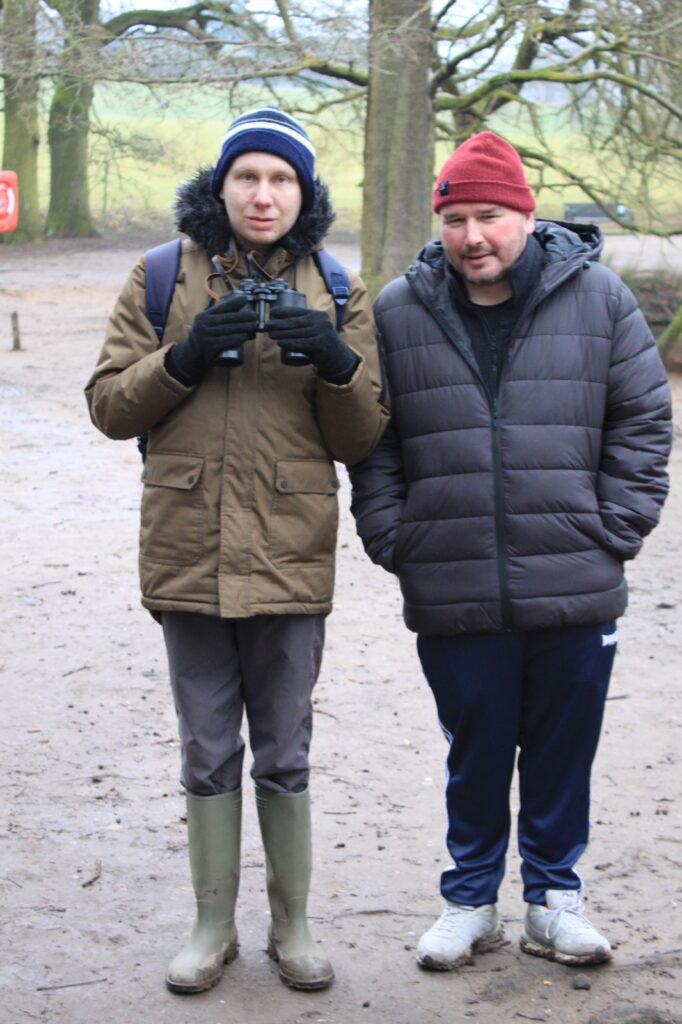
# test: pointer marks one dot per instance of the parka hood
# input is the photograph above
(205, 221)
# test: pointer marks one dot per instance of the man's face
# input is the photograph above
(262, 198)
(482, 240)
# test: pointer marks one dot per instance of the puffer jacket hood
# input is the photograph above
(203, 219)
(562, 245)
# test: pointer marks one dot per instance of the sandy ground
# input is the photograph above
(94, 890)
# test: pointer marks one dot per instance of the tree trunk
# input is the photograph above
(21, 136)
(69, 127)
(69, 213)
(399, 154)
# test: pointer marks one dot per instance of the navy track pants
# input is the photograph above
(542, 692)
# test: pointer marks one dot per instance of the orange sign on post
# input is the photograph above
(9, 201)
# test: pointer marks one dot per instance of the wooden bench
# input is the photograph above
(593, 211)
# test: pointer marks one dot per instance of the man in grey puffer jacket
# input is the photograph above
(525, 462)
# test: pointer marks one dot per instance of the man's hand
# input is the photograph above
(227, 324)
(311, 332)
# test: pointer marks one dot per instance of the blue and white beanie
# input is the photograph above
(269, 130)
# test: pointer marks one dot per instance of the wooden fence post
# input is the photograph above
(16, 339)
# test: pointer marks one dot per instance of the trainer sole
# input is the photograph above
(535, 948)
(487, 945)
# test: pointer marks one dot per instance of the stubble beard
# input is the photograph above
(492, 277)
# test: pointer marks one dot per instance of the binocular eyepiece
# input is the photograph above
(261, 294)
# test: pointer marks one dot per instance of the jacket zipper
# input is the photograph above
(537, 296)
(534, 300)
(498, 474)
(500, 517)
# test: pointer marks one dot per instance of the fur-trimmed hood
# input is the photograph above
(205, 221)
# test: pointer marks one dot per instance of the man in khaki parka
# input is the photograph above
(239, 511)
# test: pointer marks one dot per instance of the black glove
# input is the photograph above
(311, 331)
(227, 324)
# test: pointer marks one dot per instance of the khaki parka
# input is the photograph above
(239, 507)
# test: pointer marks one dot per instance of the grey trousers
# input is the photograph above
(266, 665)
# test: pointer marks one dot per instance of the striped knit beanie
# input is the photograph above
(269, 130)
(484, 169)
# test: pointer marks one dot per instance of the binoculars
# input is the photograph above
(260, 294)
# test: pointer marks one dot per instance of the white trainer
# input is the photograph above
(459, 931)
(560, 931)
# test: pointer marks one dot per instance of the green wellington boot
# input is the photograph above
(285, 827)
(214, 837)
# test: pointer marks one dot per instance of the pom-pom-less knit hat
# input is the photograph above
(484, 169)
(269, 130)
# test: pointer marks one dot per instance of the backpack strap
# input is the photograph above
(161, 265)
(336, 281)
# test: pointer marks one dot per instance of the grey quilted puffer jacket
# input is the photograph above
(516, 510)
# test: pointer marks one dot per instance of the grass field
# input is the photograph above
(167, 141)
(144, 143)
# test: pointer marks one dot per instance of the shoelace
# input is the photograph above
(576, 910)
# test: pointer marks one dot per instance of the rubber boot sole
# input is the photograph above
(207, 983)
(292, 980)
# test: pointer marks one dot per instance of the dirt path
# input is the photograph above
(94, 886)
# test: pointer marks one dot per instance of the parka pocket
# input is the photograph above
(305, 512)
(172, 523)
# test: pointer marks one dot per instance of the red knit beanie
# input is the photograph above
(484, 169)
